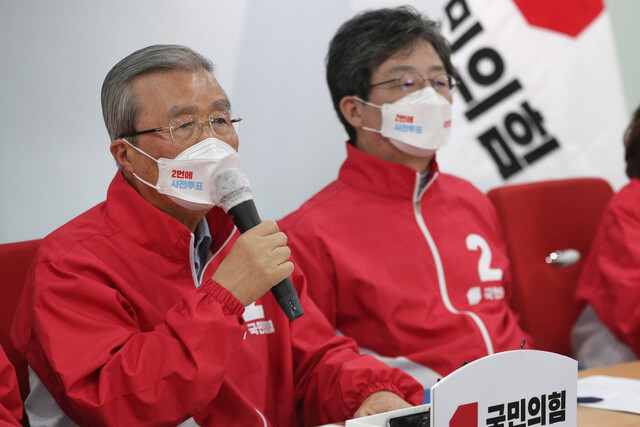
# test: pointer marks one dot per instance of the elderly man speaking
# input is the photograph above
(149, 309)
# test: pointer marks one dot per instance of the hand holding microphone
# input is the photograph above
(260, 256)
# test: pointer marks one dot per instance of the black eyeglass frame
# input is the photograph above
(452, 81)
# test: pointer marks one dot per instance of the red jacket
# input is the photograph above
(610, 279)
(112, 323)
(10, 401)
(422, 280)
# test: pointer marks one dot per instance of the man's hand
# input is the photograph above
(258, 261)
(381, 401)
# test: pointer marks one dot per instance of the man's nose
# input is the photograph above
(206, 131)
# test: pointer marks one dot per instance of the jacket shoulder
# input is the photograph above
(86, 226)
(455, 185)
(320, 205)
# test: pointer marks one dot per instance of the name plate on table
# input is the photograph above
(511, 389)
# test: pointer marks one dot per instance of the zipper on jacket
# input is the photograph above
(442, 284)
(198, 280)
(192, 260)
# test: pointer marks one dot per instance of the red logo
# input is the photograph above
(447, 124)
(403, 119)
(465, 416)
(568, 17)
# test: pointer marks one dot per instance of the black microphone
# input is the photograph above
(233, 193)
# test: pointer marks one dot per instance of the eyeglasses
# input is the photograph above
(412, 82)
(187, 128)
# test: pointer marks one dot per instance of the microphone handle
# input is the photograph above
(245, 216)
(287, 298)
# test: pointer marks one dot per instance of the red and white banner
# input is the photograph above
(541, 94)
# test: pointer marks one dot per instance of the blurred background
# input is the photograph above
(578, 85)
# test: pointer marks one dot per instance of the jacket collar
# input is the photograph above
(131, 214)
(380, 176)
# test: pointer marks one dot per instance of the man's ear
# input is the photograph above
(120, 151)
(351, 110)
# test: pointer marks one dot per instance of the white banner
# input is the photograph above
(541, 94)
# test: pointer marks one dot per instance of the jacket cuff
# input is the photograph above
(374, 387)
(230, 304)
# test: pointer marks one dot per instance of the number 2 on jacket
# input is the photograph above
(487, 274)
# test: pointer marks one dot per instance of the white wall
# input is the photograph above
(624, 19)
(54, 149)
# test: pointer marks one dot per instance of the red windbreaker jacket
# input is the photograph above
(610, 278)
(112, 322)
(10, 400)
(419, 278)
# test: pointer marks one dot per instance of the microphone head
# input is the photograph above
(230, 188)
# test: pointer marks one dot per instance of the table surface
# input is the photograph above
(591, 417)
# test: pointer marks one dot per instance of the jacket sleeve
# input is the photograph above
(612, 275)
(88, 347)
(314, 259)
(332, 379)
(10, 400)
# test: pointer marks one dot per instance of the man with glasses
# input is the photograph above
(148, 309)
(407, 260)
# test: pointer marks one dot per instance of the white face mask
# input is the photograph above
(418, 124)
(188, 179)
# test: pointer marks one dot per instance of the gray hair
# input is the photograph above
(120, 103)
(367, 40)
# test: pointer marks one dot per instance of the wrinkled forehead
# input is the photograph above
(164, 95)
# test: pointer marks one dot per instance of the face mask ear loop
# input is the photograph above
(366, 102)
(371, 129)
(145, 182)
(139, 150)
(136, 175)
(371, 105)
